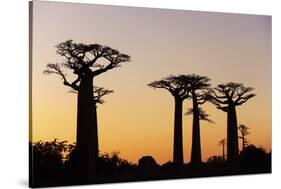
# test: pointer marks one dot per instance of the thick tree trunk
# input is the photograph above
(196, 144)
(95, 125)
(232, 135)
(178, 145)
(86, 133)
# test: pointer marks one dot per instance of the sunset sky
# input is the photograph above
(137, 120)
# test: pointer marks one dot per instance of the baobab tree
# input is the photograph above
(199, 93)
(196, 158)
(227, 97)
(177, 87)
(244, 130)
(85, 61)
(98, 94)
(222, 143)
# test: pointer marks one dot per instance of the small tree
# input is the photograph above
(227, 97)
(244, 130)
(222, 143)
(177, 87)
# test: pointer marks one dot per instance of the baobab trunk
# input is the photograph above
(232, 135)
(86, 134)
(95, 125)
(196, 144)
(178, 146)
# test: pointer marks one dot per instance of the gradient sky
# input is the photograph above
(137, 120)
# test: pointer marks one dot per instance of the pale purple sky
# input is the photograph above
(224, 47)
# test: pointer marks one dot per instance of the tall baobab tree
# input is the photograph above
(199, 93)
(98, 94)
(222, 143)
(227, 97)
(85, 61)
(196, 150)
(244, 130)
(177, 86)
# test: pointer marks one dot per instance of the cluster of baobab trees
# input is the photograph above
(88, 61)
(225, 97)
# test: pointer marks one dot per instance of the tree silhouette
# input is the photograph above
(244, 130)
(177, 86)
(98, 94)
(199, 90)
(227, 97)
(202, 115)
(222, 143)
(205, 117)
(86, 61)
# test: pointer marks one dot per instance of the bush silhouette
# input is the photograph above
(147, 162)
(253, 156)
(215, 160)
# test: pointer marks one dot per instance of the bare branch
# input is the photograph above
(243, 96)
(244, 99)
(56, 69)
(202, 114)
(114, 57)
(100, 92)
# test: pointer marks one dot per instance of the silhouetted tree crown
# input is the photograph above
(202, 114)
(222, 141)
(197, 82)
(85, 60)
(231, 93)
(98, 94)
(244, 130)
(176, 85)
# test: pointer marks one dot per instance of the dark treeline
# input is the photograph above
(55, 163)
(59, 163)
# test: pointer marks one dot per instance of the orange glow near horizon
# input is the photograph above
(136, 119)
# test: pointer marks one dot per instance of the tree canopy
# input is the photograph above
(176, 85)
(85, 60)
(231, 93)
